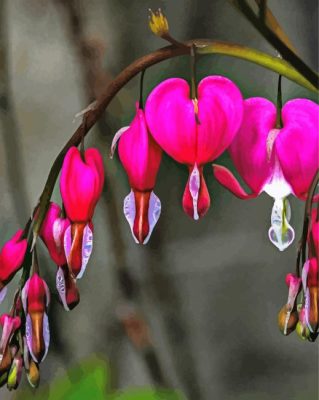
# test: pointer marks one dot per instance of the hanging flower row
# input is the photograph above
(273, 148)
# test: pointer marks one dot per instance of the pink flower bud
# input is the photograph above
(81, 183)
(141, 158)
(52, 233)
(11, 259)
(36, 299)
(9, 325)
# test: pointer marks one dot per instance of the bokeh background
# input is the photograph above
(209, 290)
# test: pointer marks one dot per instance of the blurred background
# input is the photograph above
(209, 291)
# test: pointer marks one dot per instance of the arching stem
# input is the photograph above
(279, 105)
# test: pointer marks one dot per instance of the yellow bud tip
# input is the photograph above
(158, 22)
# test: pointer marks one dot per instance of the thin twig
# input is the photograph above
(271, 21)
(277, 42)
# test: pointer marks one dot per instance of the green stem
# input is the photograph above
(193, 73)
(141, 103)
(301, 255)
(279, 105)
(277, 43)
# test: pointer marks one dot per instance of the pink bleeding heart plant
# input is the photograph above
(194, 131)
(11, 259)
(81, 185)
(270, 159)
(35, 299)
(52, 234)
(140, 156)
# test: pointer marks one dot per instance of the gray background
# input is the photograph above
(211, 289)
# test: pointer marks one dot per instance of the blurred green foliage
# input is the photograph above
(90, 380)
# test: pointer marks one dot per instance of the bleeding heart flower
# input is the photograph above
(194, 131)
(81, 183)
(67, 288)
(11, 259)
(52, 233)
(81, 186)
(141, 158)
(277, 161)
(35, 300)
(288, 316)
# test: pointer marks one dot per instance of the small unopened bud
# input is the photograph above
(287, 320)
(302, 331)
(15, 373)
(158, 23)
(33, 374)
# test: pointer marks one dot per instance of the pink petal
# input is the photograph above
(249, 150)
(12, 256)
(170, 114)
(297, 144)
(87, 247)
(81, 183)
(139, 154)
(196, 199)
(227, 179)
(220, 111)
(52, 233)
(170, 117)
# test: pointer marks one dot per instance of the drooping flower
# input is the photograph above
(35, 300)
(52, 233)
(81, 186)
(277, 161)
(11, 258)
(9, 325)
(194, 131)
(141, 158)
(288, 315)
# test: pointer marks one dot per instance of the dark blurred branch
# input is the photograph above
(10, 131)
(133, 322)
(271, 21)
(276, 41)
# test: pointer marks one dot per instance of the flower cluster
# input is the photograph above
(195, 131)
(68, 236)
(302, 313)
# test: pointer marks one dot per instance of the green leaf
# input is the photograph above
(88, 380)
(147, 394)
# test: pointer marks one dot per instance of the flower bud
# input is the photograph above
(11, 259)
(287, 320)
(36, 299)
(14, 375)
(33, 374)
(158, 23)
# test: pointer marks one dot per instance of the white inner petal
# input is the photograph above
(277, 187)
